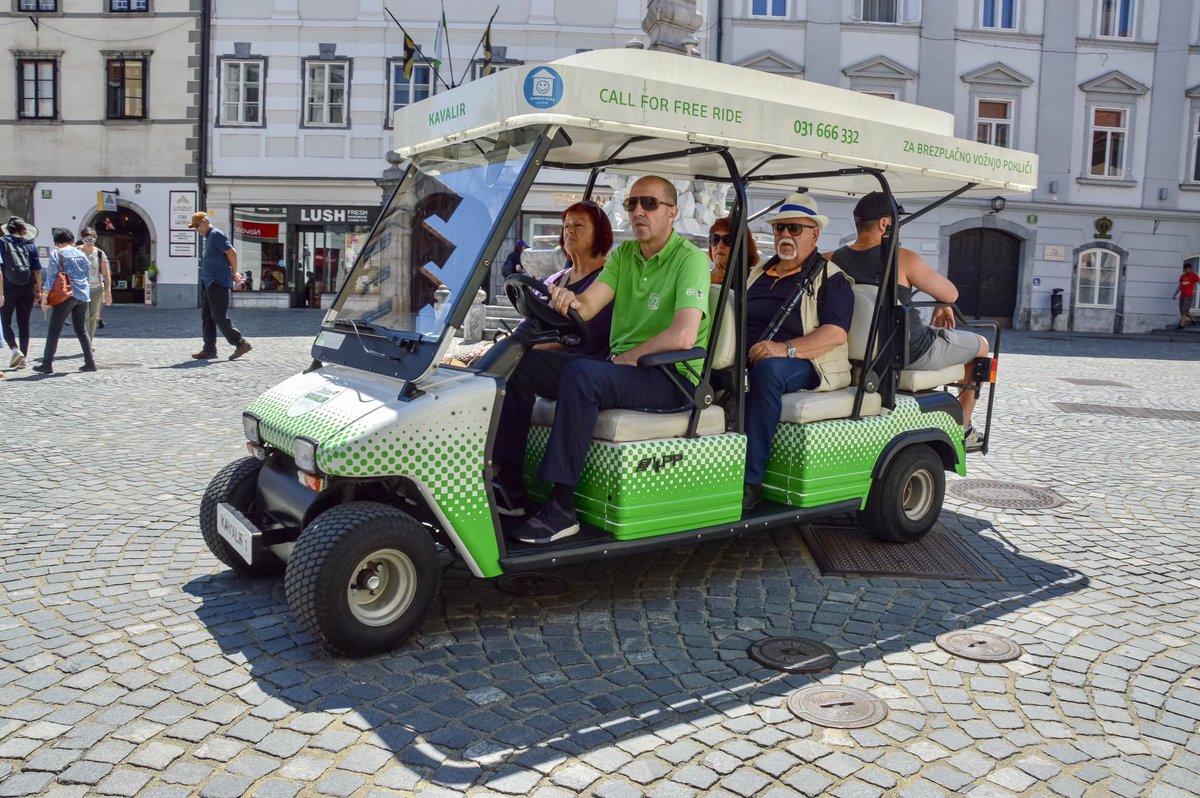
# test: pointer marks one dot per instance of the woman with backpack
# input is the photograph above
(99, 278)
(22, 285)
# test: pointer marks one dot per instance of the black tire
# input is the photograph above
(236, 483)
(332, 562)
(905, 503)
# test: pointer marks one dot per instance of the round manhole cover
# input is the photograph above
(793, 654)
(534, 585)
(979, 646)
(837, 707)
(1008, 495)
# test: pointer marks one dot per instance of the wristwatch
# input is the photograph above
(791, 350)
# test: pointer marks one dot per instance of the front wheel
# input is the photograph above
(905, 503)
(236, 483)
(362, 577)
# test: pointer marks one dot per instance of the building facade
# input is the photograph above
(1107, 92)
(102, 129)
(303, 93)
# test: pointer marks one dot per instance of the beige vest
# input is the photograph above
(833, 367)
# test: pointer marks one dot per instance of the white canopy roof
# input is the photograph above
(641, 103)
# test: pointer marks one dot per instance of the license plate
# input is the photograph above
(236, 530)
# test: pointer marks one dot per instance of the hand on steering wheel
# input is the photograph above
(529, 297)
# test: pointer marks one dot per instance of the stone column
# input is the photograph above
(669, 23)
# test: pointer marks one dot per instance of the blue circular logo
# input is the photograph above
(543, 87)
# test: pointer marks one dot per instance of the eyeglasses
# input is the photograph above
(717, 238)
(648, 203)
(791, 227)
(89, 241)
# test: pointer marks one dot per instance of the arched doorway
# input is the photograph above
(125, 238)
(984, 266)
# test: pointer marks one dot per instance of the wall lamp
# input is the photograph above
(997, 204)
(1053, 186)
(1162, 194)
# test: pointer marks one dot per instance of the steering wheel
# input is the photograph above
(531, 298)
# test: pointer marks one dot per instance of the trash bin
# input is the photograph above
(1056, 297)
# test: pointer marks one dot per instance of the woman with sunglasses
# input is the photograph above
(720, 241)
(803, 349)
(99, 276)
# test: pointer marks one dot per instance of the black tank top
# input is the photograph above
(866, 267)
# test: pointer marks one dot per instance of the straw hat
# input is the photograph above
(799, 206)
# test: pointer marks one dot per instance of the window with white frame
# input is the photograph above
(128, 6)
(1096, 281)
(242, 92)
(37, 5)
(1109, 131)
(1000, 14)
(1196, 147)
(887, 95)
(768, 8)
(892, 11)
(37, 88)
(405, 91)
(993, 121)
(326, 93)
(1116, 18)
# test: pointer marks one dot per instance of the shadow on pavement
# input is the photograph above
(149, 322)
(494, 686)
(1121, 347)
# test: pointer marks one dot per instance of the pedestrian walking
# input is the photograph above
(99, 278)
(218, 274)
(1185, 291)
(22, 285)
(512, 264)
(69, 260)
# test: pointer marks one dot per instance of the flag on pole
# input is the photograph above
(441, 38)
(487, 51)
(410, 52)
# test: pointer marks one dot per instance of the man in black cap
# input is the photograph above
(930, 348)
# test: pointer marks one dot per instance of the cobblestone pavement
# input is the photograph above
(132, 663)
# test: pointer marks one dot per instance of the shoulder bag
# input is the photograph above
(61, 291)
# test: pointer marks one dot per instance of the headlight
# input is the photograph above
(250, 427)
(305, 452)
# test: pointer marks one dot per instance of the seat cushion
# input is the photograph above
(914, 380)
(622, 426)
(803, 407)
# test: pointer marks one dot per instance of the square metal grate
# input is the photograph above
(1086, 381)
(850, 551)
(1128, 412)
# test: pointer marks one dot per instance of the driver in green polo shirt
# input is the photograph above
(659, 282)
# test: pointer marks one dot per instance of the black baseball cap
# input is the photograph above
(874, 206)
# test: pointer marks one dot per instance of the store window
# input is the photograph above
(125, 88)
(993, 122)
(260, 238)
(326, 93)
(890, 11)
(1116, 18)
(768, 8)
(1108, 142)
(1000, 14)
(37, 88)
(242, 92)
(1096, 284)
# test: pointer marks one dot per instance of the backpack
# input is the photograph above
(16, 262)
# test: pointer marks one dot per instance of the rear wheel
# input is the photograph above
(362, 577)
(236, 483)
(905, 503)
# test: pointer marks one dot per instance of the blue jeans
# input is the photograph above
(770, 379)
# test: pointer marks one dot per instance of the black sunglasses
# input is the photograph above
(718, 238)
(791, 227)
(648, 203)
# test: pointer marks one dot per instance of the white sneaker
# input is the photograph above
(18, 360)
(972, 440)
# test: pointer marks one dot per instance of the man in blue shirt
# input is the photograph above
(218, 273)
(70, 261)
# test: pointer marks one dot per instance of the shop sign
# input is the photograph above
(336, 214)
(182, 206)
(246, 229)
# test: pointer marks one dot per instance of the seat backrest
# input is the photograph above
(860, 324)
(722, 342)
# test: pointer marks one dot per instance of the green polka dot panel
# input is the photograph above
(643, 488)
(830, 461)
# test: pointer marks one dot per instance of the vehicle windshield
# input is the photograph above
(423, 253)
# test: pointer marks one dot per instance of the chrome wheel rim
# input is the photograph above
(382, 587)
